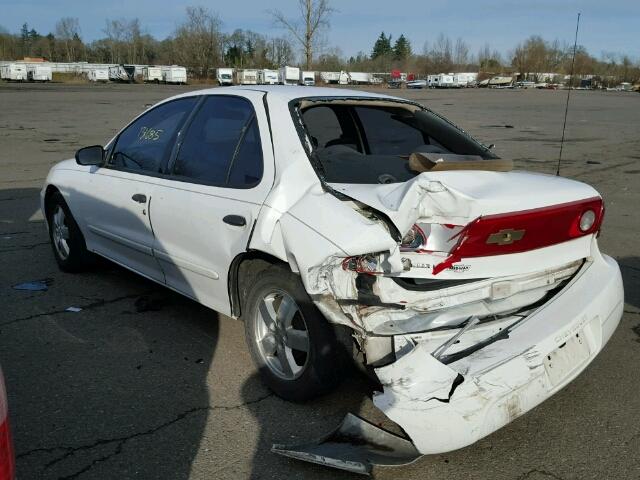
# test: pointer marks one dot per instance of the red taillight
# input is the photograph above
(7, 459)
(523, 231)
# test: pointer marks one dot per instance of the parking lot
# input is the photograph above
(143, 383)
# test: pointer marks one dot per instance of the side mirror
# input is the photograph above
(93, 155)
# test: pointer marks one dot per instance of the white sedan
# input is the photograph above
(339, 223)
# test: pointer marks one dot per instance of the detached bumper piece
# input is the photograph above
(356, 446)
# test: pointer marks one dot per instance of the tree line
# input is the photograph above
(200, 43)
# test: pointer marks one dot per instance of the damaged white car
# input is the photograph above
(339, 223)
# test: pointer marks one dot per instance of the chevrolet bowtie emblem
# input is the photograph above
(505, 237)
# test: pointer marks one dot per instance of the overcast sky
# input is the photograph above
(611, 26)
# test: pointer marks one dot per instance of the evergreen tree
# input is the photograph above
(401, 49)
(26, 41)
(382, 47)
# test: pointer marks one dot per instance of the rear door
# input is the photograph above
(204, 213)
(115, 200)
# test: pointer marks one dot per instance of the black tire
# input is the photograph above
(329, 346)
(78, 258)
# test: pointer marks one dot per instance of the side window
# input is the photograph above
(386, 133)
(146, 143)
(246, 168)
(323, 126)
(222, 144)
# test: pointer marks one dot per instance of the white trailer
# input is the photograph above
(360, 78)
(442, 80)
(121, 73)
(308, 78)
(289, 75)
(174, 74)
(152, 74)
(14, 72)
(39, 72)
(267, 77)
(339, 78)
(224, 76)
(247, 76)
(466, 79)
(98, 75)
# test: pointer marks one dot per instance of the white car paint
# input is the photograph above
(177, 238)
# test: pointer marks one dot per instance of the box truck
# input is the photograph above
(360, 78)
(174, 74)
(289, 75)
(152, 74)
(340, 78)
(224, 76)
(267, 77)
(39, 72)
(308, 79)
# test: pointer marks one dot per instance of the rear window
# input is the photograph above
(387, 131)
(358, 142)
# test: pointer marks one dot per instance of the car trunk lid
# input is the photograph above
(484, 224)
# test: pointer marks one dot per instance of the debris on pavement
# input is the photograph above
(73, 309)
(356, 446)
(34, 285)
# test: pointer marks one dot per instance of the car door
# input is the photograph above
(203, 214)
(115, 200)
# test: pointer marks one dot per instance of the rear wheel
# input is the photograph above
(298, 353)
(67, 241)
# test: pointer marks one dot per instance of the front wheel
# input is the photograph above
(67, 241)
(298, 353)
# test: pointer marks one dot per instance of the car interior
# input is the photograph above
(371, 143)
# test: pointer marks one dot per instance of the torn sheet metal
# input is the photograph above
(459, 197)
(356, 446)
(505, 378)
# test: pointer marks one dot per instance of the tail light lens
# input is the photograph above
(527, 230)
(7, 459)
(587, 220)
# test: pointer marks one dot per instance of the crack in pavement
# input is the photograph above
(24, 247)
(88, 306)
(542, 472)
(121, 441)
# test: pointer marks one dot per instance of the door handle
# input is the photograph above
(139, 197)
(235, 220)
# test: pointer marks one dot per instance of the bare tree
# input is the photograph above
(314, 15)
(441, 54)
(198, 42)
(461, 53)
(115, 32)
(68, 31)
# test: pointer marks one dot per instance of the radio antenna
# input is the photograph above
(566, 107)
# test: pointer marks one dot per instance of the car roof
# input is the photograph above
(287, 93)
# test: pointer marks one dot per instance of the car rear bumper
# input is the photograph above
(446, 407)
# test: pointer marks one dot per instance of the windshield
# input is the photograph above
(372, 142)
